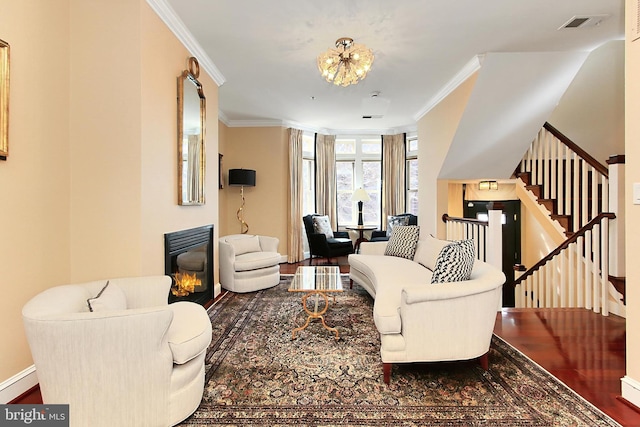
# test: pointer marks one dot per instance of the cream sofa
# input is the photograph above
(249, 263)
(134, 360)
(423, 322)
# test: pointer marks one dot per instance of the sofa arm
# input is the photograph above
(378, 233)
(373, 248)
(226, 258)
(341, 235)
(269, 244)
(147, 291)
(447, 291)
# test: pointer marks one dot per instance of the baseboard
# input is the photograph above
(18, 384)
(631, 390)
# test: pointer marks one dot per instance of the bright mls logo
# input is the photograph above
(34, 415)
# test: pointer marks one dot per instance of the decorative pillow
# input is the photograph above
(393, 221)
(455, 262)
(109, 298)
(246, 244)
(322, 225)
(428, 250)
(403, 241)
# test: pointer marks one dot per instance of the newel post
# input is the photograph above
(494, 238)
(616, 206)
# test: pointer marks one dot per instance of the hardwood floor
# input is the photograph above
(585, 350)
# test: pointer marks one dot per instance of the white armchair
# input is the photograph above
(249, 263)
(117, 353)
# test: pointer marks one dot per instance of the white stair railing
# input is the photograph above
(567, 177)
(575, 274)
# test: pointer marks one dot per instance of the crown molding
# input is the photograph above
(470, 67)
(314, 129)
(177, 27)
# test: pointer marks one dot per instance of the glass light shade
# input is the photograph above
(347, 64)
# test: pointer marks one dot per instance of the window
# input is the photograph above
(358, 164)
(412, 175)
(308, 174)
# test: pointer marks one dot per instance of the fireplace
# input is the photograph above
(188, 259)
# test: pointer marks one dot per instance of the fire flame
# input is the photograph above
(185, 284)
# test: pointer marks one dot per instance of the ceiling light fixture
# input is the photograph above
(347, 64)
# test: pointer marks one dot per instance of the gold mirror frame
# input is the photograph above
(4, 100)
(191, 134)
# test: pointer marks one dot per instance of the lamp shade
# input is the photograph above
(360, 196)
(242, 177)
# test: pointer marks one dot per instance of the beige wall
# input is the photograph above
(265, 150)
(35, 203)
(92, 172)
(632, 175)
(595, 97)
(436, 130)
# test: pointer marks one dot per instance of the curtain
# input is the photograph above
(295, 236)
(393, 176)
(193, 171)
(326, 178)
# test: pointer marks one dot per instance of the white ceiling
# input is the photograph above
(265, 52)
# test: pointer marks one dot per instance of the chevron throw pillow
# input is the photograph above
(403, 241)
(454, 262)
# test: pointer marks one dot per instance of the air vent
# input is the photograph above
(379, 116)
(583, 21)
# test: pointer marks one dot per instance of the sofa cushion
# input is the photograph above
(256, 260)
(393, 221)
(403, 241)
(190, 331)
(428, 250)
(245, 244)
(455, 262)
(322, 225)
(111, 297)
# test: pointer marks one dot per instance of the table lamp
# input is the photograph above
(360, 196)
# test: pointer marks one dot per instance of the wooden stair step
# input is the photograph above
(565, 222)
(535, 189)
(525, 177)
(550, 204)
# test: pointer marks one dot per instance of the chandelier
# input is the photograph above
(347, 64)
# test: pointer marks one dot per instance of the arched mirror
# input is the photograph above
(191, 131)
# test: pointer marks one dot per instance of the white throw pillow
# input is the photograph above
(428, 250)
(403, 241)
(322, 225)
(244, 245)
(455, 262)
(110, 298)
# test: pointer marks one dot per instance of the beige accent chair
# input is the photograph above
(249, 263)
(133, 360)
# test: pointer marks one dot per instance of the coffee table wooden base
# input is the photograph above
(315, 314)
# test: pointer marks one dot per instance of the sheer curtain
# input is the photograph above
(294, 239)
(326, 177)
(393, 176)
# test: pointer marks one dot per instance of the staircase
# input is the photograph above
(572, 187)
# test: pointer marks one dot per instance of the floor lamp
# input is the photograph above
(242, 178)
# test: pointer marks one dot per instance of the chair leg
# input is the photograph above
(350, 283)
(386, 370)
(484, 361)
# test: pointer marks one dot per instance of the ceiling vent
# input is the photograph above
(375, 106)
(583, 21)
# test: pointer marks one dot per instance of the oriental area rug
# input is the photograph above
(256, 375)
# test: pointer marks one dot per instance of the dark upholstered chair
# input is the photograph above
(381, 235)
(322, 246)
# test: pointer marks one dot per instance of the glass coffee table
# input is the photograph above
(318, 281)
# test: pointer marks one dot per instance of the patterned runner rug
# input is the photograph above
(257, 375)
